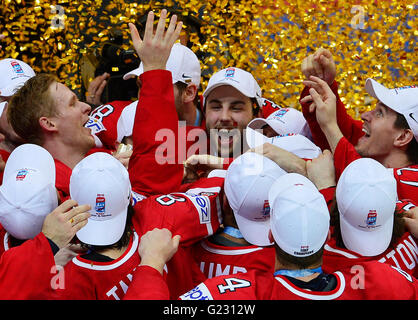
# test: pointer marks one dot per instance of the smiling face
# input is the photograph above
(71, 116)
(228, 112)
(380, 133)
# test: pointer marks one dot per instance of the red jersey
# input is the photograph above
(403, 255)
(4, 155)
(215, 260)
(369, 281)
(111, 122)
(87, 279)
(26, 271)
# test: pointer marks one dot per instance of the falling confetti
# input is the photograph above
(268, 38)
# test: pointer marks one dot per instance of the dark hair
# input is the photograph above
(412, 149)
(123, 241)
(398, 226)
(300, 262)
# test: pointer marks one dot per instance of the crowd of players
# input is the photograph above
(223, 195)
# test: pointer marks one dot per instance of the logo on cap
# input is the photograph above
(266, 209)
(280, 113)
(230, 73)
(304, 249)
(371, 218)
(21, 175)
(100, 204)
(16, 67)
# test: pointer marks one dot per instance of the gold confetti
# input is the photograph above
(268, 38)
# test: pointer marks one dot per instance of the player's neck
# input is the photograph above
(113, 253)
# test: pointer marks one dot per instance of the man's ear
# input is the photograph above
(190, 93)
(404, 137)
(47, 124)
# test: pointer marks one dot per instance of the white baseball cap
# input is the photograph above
(101, 181)
(14, 73)
(366, 198)
(284, 121)
(294, 143)
(182, 63)
(299, 215)
(247, 182)
(28, 192)
(240, 79)
(403, 100)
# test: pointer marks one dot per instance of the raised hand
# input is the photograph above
(324, 102)
(320, 64)
(155, 48)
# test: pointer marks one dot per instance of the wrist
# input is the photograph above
(153, 262)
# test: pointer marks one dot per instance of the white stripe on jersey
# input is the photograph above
(110, 265)
(345, 254)
(233, 252)
(322, 296)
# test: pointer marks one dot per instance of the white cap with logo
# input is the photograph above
(240, 79)
(403, 100)
(294, 143)
(284, 121)
(101, 181)
(366, 197)
(14, 74)
(182, 63)
(247, 183)
(28, 192)
(299, 215)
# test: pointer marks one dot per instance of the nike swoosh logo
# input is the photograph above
(184, 76)
(412, 116)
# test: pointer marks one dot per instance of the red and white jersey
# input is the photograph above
(91, 280)
(373, 281)
(368, 281)
(26, 271)
(404, 255)
(215, 260)
(193, 215)
(111, 122)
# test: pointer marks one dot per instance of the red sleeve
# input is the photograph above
(350, 128)
(344, 154)
(26, 271)
(328, 194)
(147, 284)
(193, 215)
(407, 183)
(104, 122)
(153, 166)
(4, 155)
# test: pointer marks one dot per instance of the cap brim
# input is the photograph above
(366, 243)
(105, 232)
(383, 94)
(255, 232)
(257, 123)
(134, 73)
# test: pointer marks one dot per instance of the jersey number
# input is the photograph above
(233, 283)
(168, 199)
